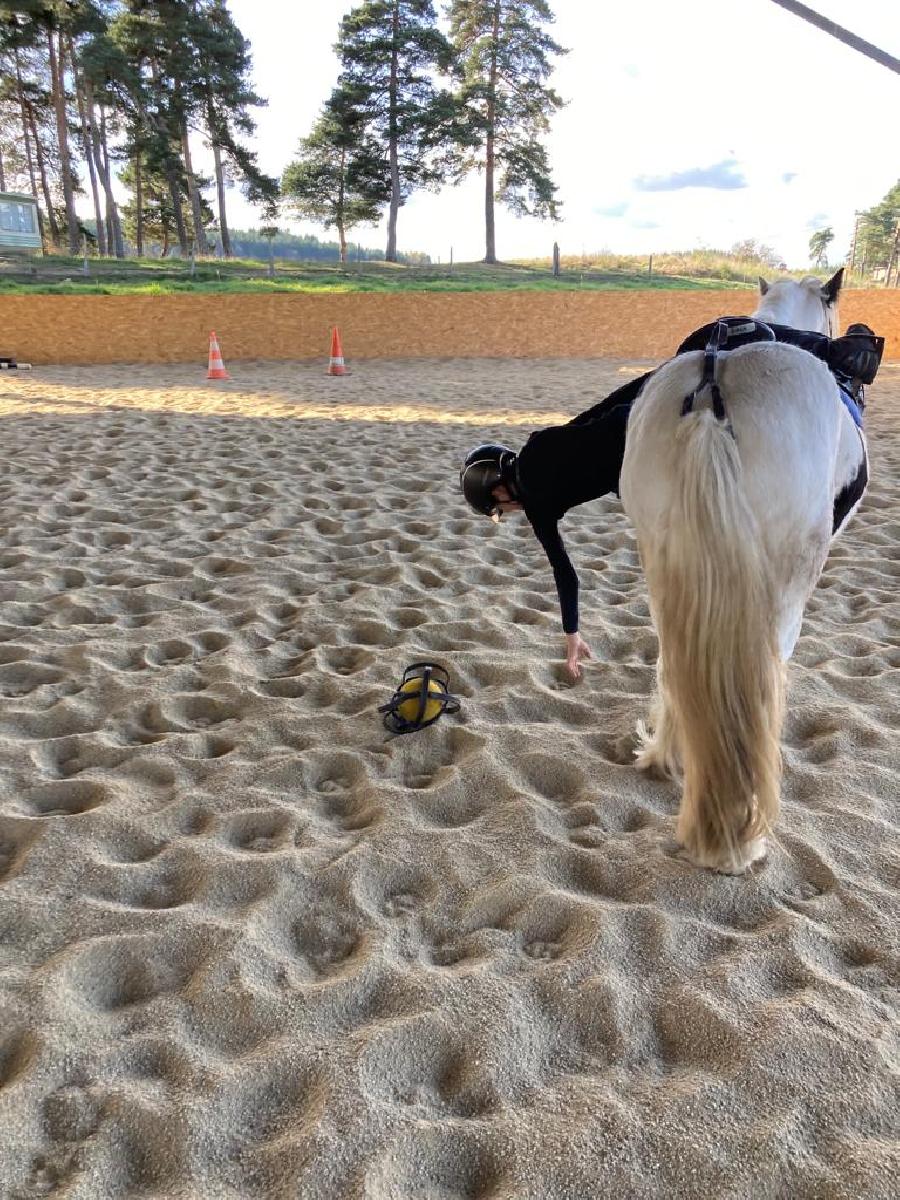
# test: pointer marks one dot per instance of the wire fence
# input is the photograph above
(52, 270)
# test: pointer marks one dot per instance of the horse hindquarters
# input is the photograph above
(716, 518)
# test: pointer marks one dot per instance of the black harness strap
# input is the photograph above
(717, 338)
(728, 333)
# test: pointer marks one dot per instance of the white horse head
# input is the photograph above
(804, 304)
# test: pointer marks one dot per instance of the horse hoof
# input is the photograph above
(729, 862)
(651, 757)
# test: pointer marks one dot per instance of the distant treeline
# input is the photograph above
(247, 243)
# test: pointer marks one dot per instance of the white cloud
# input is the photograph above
(722, 176)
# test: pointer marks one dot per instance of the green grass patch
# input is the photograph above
(60, 276)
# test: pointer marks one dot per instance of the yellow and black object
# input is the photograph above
(420, 699)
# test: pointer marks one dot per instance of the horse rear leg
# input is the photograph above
(659, 741)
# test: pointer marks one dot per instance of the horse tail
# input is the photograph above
(718, 629)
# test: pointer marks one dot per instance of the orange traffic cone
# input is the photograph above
(216, 366)
(336, 365)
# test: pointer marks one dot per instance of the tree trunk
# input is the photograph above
(220, 196)
(490, 243)
(45, 184)
(114, 241)
(87, 142)
(2, 175)
(139, 205)
(215, 141)
(342, 237)
(193, 191)
(62, 134)
(28, 159)
(104, 149)
(171, 173)
(113, 222)
(177, 210)
(393, 158)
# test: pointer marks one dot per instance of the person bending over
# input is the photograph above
(566, 465)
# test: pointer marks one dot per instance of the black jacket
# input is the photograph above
(566, 465)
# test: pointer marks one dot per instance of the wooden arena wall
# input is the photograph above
(175, 328)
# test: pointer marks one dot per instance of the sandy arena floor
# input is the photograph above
(252, 946)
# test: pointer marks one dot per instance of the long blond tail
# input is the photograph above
(715, 600)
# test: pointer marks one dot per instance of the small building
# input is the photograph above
(19, 229)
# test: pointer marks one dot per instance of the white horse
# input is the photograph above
(734, 518)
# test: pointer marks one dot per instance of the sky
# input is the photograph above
(687, 124)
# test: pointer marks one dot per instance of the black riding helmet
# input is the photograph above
(485, 468)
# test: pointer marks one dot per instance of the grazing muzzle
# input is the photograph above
(420, 699)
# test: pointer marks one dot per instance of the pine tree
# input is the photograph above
(390, 51)
(224, 96)
(503, 59)
(878, 231)
(818, 246)
(44, 25)
(341, 176)
(24, 51)
(88, 53)
(149, 78)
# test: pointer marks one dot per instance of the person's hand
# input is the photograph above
(576, 649)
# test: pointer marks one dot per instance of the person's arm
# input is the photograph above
(566, 578)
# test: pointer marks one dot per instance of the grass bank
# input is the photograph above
(58, 275)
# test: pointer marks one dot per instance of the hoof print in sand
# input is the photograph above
(123, 971)
(553, 779)
(70, 1114)
(167, 885)
(14, 846)
(402, 905)
(64, 798)
(18, 1052)
(344, 660)
(339, 782)
(542, 951)
(437, 1162)
(324, 952)
(283, 687)
(19, 679)
(205, 747)
(260, 832)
